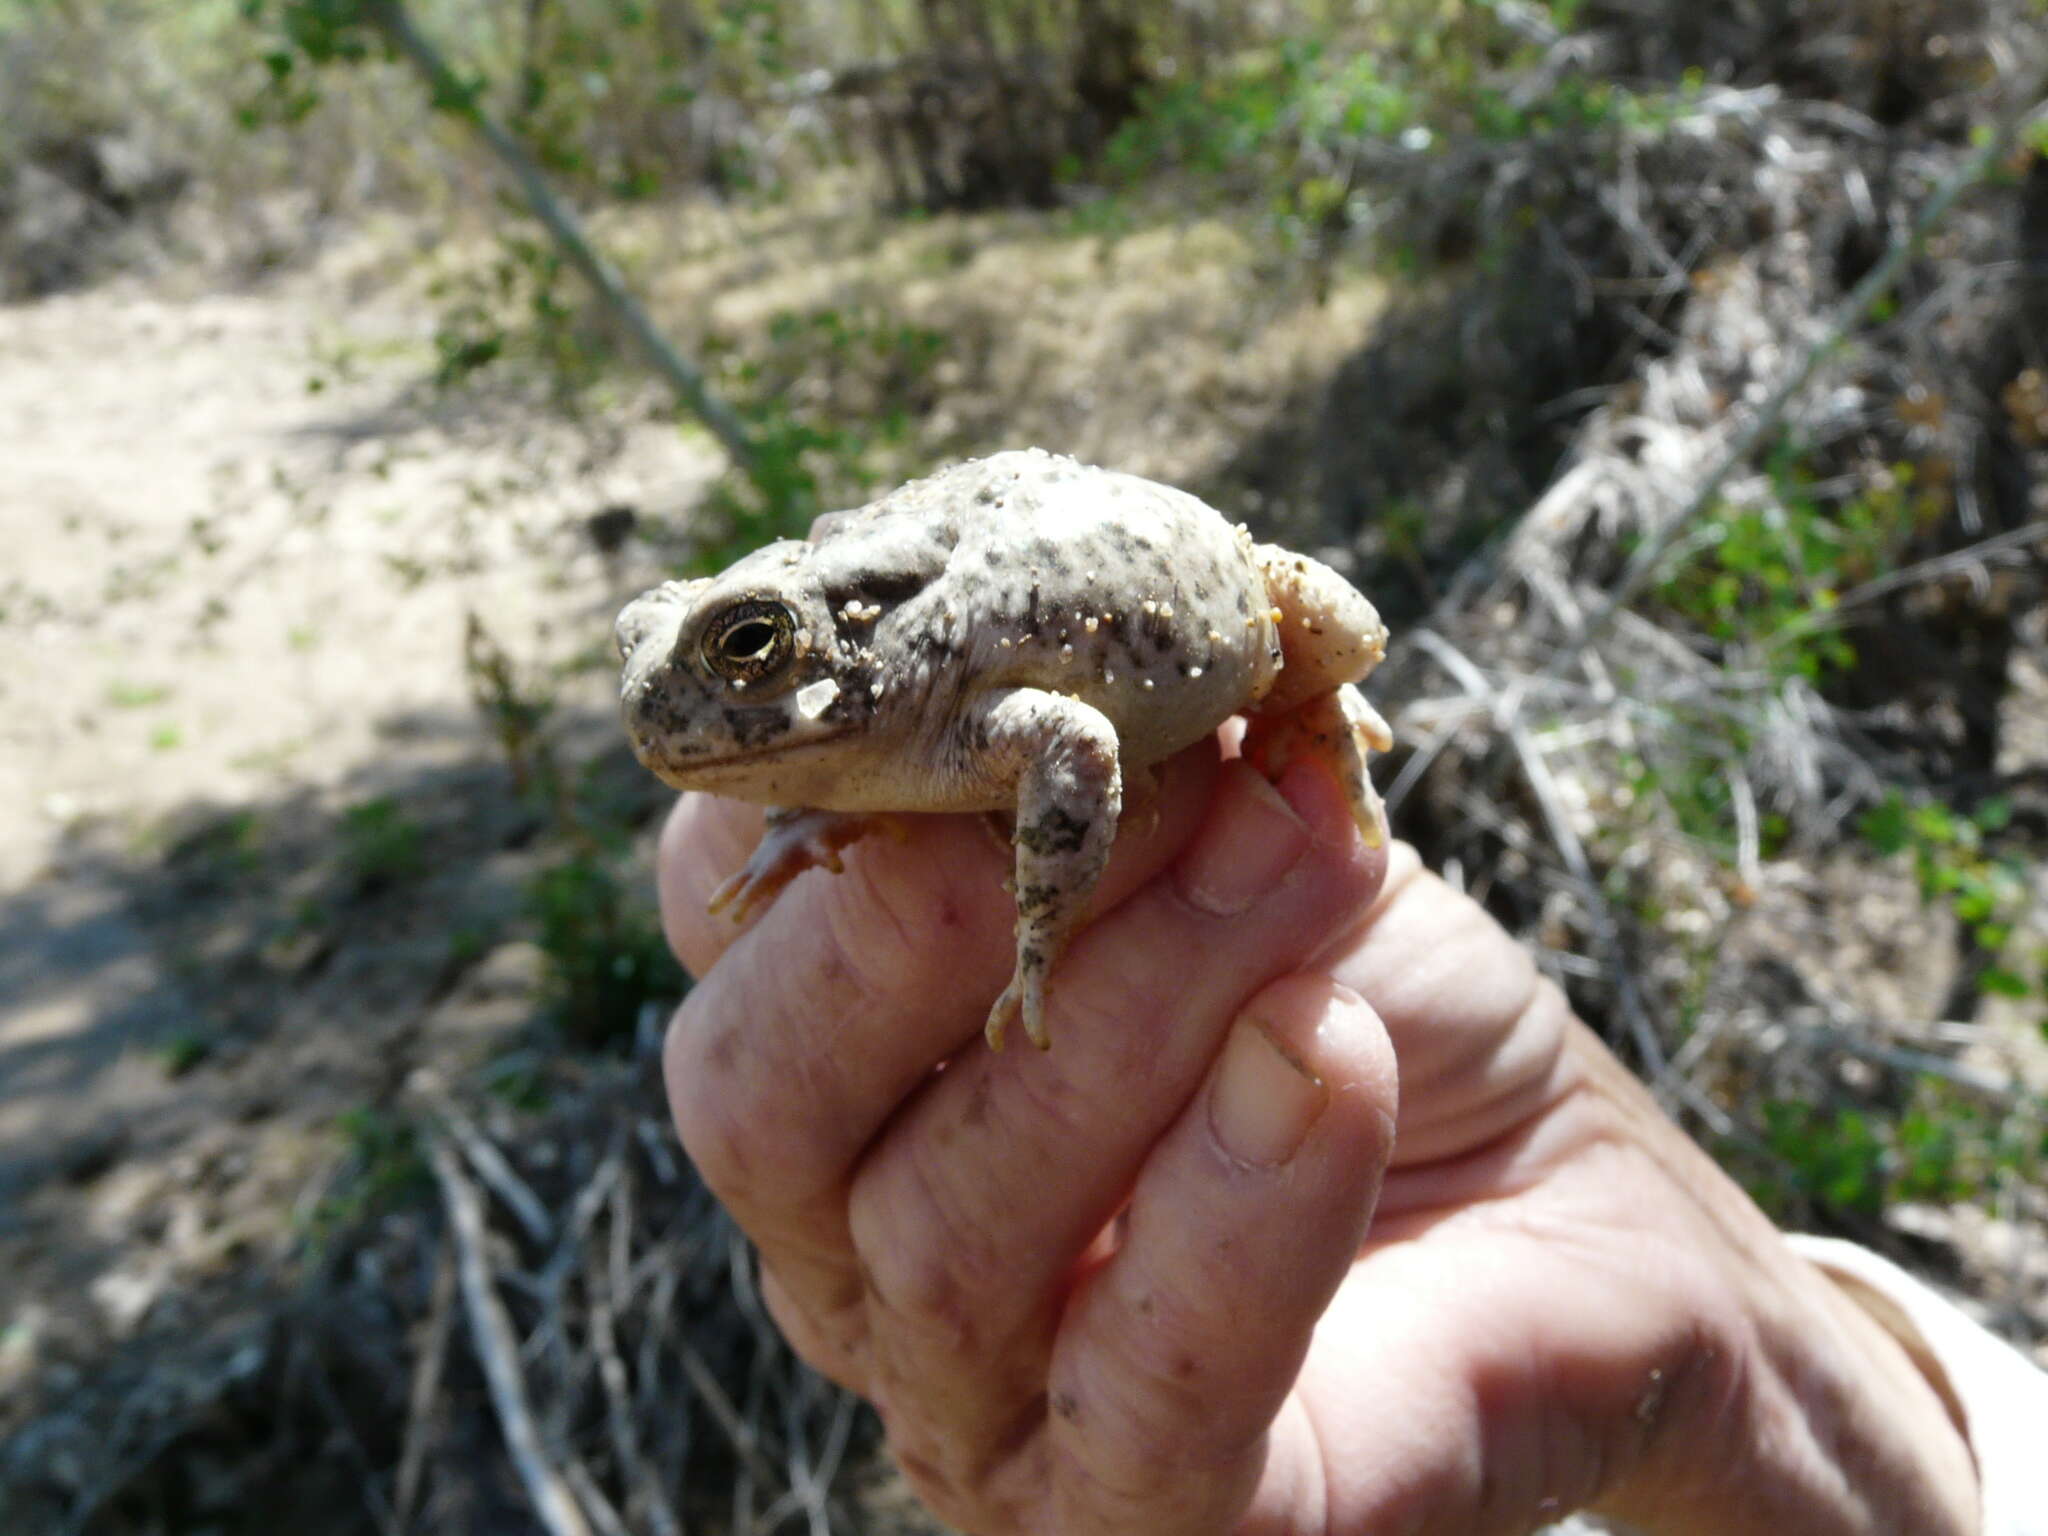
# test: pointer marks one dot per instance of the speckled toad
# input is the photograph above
(1017, 634)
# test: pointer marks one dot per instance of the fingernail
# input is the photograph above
(1265, 1099)
(1250, 840)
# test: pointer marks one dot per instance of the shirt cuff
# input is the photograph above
(1999, 1395)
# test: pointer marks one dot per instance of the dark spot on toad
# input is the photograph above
(751, 727)
(1157, 629)
(855, 699)
(929, 645)
(1054, 832)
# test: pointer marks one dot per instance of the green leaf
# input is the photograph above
(1884, 826)
(2002, 982)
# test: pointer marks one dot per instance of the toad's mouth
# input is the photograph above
(675, 770)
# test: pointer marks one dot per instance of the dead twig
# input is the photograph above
(381, 1514)
(1846, 317)
(1969, 557)
(426, 1387)
(685, 379)
(497, 1349)
(595, 1504)
(646, 1491)
(738, 1432)
(2001, 1091)
(1565, 839)
(489, 1162)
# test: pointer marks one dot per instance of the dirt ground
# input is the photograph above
(243, 544)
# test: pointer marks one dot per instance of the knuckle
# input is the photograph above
(888, 923)
(710, 1103)
(926, 1256)
(1156, 1399)
(825, 1322)
(759, 1096)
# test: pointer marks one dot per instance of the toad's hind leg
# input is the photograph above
(1061, 755)
(1330, 637)
(1338, 728)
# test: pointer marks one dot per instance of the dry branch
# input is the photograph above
(1852, 312)
(497, 1349)
(426, 1388)
(682, 376)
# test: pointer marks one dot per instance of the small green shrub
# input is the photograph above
(1958, 866)
(605, 950)
(380, 845)
(225, 850)
(1944, 1145)
(1295, 124)
(1764, 580)
(1757, 588)
(382, 1169)
(831, 403)
(182, 1050)
(122, 694)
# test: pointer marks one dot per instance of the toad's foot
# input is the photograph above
(1023, 999)
(1339, 728)
(794, 840)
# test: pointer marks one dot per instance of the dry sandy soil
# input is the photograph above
(242, 544)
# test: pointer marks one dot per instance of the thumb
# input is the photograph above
(1180, 1351)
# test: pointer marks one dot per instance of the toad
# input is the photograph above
(1022, 634)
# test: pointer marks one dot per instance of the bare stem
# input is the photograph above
(449, 91)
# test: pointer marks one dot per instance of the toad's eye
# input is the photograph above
(750, 641)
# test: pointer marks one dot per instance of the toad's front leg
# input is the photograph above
(1062, 756)
(794, 839)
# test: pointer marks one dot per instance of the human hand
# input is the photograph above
(1139, 1283)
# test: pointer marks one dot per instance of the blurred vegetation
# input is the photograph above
(1606, 230)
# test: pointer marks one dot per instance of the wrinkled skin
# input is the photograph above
(1204, 1268)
